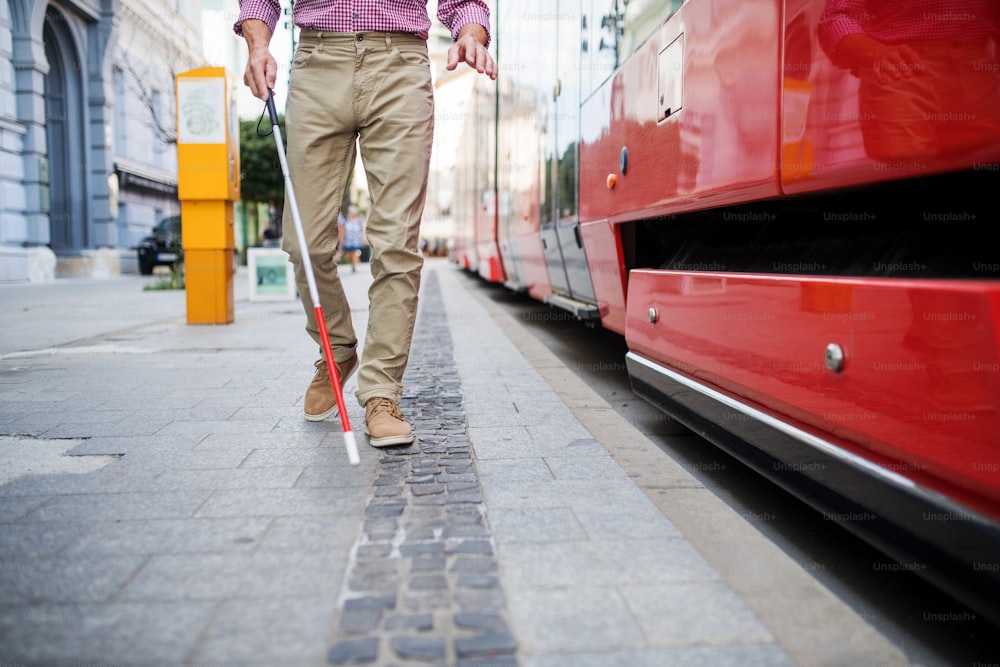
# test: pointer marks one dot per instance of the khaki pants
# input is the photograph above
(375, 88)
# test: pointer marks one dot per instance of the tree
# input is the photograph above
(260, 170)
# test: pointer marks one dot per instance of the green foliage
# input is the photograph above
(175, 280)
(260, 171)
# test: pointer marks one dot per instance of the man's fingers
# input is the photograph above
(269, 80)
(909, 54)
(474, 54)
(261, 74)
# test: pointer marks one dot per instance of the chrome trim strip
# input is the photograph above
(824, 446)
(582, 309)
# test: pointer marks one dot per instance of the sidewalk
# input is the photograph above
(221, 529)
(207, 523)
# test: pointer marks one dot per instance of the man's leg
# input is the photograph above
(321, 139)
(396, 124)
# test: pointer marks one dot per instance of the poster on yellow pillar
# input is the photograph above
(202, 109)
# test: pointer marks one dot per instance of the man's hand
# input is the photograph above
(470, 47)
(889, 62)
(262, 69)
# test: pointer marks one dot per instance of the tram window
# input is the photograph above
(567, 120)
(611, 31)
(640, 18)
(598, 43)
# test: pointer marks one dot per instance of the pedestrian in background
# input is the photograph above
(270, 237)
(361, 78)
(352, 236)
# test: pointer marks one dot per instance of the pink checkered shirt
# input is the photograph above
(896, 21)
(363, 15)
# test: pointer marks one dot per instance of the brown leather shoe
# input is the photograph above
(384, 423)
(320, 401)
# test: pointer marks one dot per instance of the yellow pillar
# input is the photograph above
(208, 184)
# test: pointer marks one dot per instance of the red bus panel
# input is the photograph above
(919, 390)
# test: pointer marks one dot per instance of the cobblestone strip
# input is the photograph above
(422, 587)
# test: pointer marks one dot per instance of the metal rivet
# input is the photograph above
(834, 357)
(653, 315)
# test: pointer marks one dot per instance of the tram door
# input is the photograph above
(548, 94)
(560, 230)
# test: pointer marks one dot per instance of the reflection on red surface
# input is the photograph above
(920, 390)
(880, 90)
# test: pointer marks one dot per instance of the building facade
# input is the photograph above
(87, 131)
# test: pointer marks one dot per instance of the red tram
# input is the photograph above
(787, 210)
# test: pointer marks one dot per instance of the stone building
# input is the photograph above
(87, 157)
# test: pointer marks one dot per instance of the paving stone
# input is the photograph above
(477, 581)
(264, 575)
(233, 478)
(307, 534)
(369, 551)
(471, 496)
(419, 549)
(427, 563)
(427, 602)
(473, 564)
(380, 602)
(384, 510)
(542, 524)
(765, 655)
(282, 502)
(376, 567)
(112, 478)
(497, 643)
(480, 600)
(295, 631)
(455, 478)
(361, 621)
(35, 540)
(380, 528)
(492, 661)
(419, 622)
(691, 613)
(419, 648)
(474, 621)
(121, 506)
(471, 547)
(426, 488)
(438, 500)
(165, 536)
(426, 530)
(354, 651)
(428, 582)
(574, 619)
(373, 583)
(66, 579)
(114, 633)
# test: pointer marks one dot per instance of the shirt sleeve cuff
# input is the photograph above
(834, 29)
(256, 9)
(471, 14)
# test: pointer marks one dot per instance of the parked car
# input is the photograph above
(162, 247)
